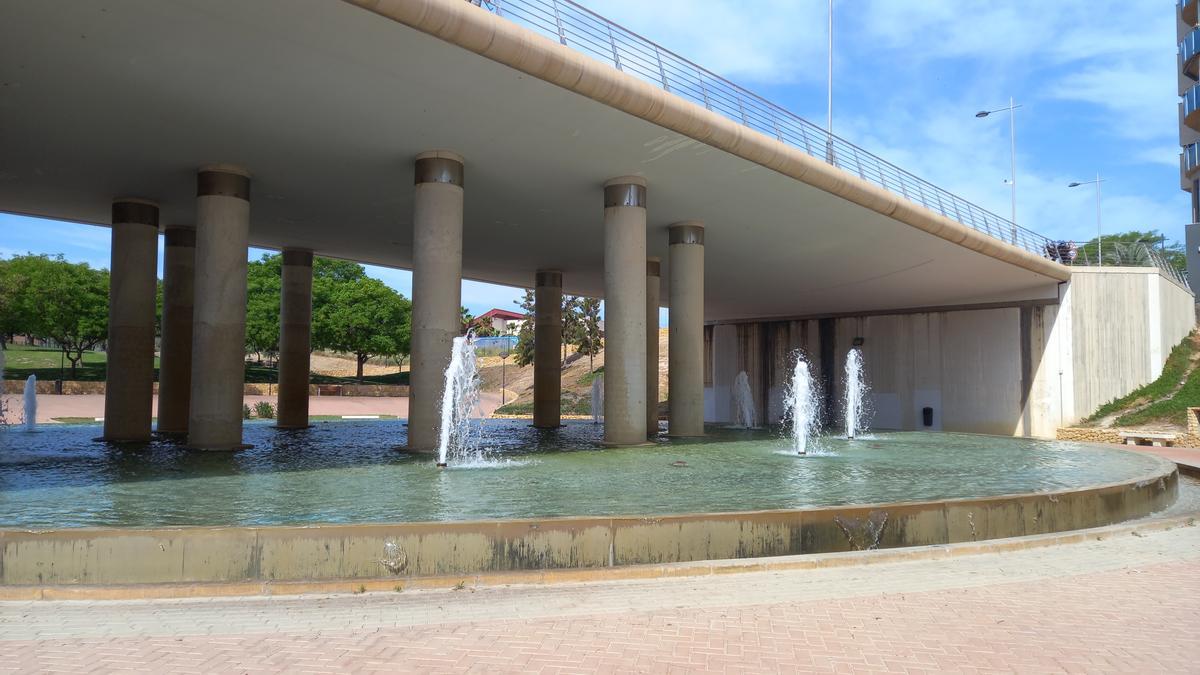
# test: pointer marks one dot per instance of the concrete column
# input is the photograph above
(295, 338)
(547, 349)
(625, 311)
(219, 317)
(685, 366)
(129, 391)
(437, 288)
(653, 300)
(175, 353)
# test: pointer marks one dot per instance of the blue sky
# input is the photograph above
(1095, 78)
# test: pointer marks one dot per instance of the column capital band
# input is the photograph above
(439, 166)
(131, 210)
(687, 232)
(548, 278)
(223, 180)
(180, 235)
(300, 257)
(653, 267)
(625, 191)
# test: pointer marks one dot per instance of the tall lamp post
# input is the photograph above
(829, 156)
(1012, 156)
(504, 351)
(1099, 240)
(829, 111)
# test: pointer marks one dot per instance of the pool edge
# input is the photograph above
(403, 552)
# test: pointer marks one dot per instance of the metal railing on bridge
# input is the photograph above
(1113, 254)
(585, 31)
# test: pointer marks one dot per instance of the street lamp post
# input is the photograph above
(1012, 155)
(504, 351)
(1099, 239)
(829, 111)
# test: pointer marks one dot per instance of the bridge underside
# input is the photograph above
(327, 105)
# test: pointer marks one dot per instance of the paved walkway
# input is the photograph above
(1127, 603)
(51, 406)
(1189, 457)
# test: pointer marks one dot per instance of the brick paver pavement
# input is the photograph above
(1127, 603)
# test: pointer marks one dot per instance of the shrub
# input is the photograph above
(264, 410)
(245, 411)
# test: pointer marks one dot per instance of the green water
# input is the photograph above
(354, 472)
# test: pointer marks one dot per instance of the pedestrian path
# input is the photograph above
(1125, 602)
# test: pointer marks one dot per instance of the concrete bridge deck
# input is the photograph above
(130, 98)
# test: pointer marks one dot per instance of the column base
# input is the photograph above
(231, 448)
(122, 441)
(671, 435)
(170, 435)
(291, 427)
(643, 444)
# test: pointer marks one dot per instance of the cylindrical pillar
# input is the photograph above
(685, 364)
(653, 300)
(133, 281)
(175, 352)
(437, 289)
(547, 343)
(625, 311)
(295, 338)
(219, 317)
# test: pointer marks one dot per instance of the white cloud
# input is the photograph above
(769, 41)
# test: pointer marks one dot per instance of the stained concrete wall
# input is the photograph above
(1125, 322)
(1025, 369)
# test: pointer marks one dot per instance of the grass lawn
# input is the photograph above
(571, 405)
(21, 361)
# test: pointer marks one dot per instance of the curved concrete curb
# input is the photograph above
(477, 30)
(633, 572)
(316, 557)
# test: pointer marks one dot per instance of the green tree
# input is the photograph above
(466, 319)
(263, 286)
(363, 317)
(523, 354)
(1130, 248)
(65, 302)
(571, 325)
(14, 317)
(591, 338)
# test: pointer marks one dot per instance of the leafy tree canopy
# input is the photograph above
(363, 317)
(1129, 248)
(51, 298)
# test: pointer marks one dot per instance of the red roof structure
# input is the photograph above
(501, 314)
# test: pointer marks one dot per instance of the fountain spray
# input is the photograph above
(31, 403)
(855, 388)
(459, 397)
(803, 406)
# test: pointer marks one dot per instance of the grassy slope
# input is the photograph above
(1160, 401)
(23, 361)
